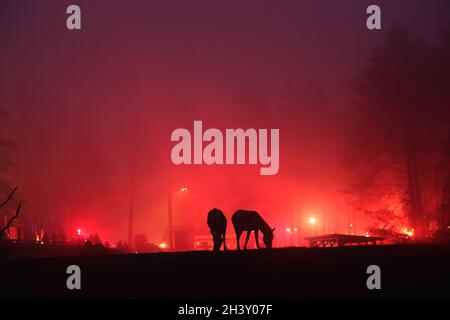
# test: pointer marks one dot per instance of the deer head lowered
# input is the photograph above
(249, 221)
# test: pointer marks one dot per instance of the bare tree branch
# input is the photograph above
(9, 198)
(2, 231)
(8, 224)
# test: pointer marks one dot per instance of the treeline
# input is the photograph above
(398, 156)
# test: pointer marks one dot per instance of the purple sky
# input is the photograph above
(86, 106)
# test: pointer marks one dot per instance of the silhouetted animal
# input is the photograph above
(217, 223)
(249, 221)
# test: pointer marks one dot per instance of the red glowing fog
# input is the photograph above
(92, 113)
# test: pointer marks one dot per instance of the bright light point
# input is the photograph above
(288, 229)
(183, 189)
(79, 232)
(295, 229)
(351, 225)
(162, 245)
(312, 220)
(367, 234)
(407, 232)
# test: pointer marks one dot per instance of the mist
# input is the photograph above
(92, 112)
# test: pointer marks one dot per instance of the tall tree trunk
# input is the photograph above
(414, 192)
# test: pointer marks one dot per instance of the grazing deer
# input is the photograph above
(217, 223)
(249, 221)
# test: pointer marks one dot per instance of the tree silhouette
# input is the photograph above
(6, 148)
(8, 224)
(396, 122)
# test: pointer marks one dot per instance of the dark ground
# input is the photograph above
(414, 271)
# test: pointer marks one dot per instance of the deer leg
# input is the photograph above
(219, 242)
(256, 238)
(238, 236)
(246, 239)
(216, 239)
(224, 243)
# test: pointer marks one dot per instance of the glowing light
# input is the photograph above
(288, 229)
(351, 225)
(409, 233)
(312, 220)
(295, 229)
(79, 232)
(184, 189)
(162, 245)
(367, 234)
